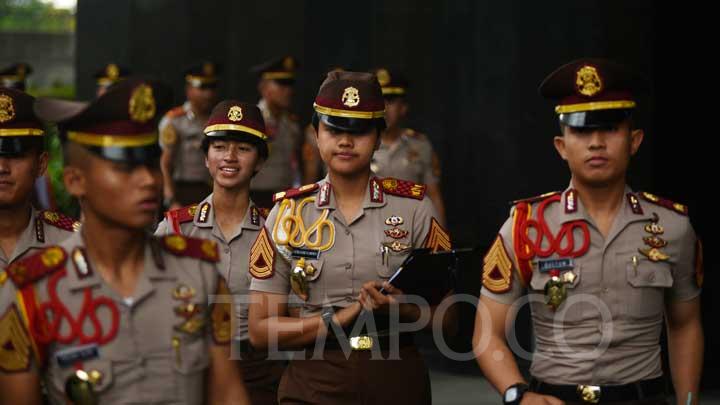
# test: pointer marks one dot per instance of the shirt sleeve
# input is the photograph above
(687, 271)
(269, 268)
(500, 280)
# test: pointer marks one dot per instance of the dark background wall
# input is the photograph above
(474, 66)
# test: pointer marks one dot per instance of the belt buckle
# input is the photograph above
(590, 394)
(361, 342)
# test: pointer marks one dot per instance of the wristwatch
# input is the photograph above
(513, 395)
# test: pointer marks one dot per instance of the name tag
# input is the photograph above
(68, 357)
(544, 266)
(312, 254)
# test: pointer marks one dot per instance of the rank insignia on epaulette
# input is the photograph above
(60, 221)
(536, 198)
(663, 202)
(175, 243)
(15, 343)
(204, 210)
(262, 256)
(404, 188)
(438, 238)
(497, 268)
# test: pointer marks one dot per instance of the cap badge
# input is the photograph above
(383, 77)
(235, 113)
(351, 97)
(142, 104)
(112, 71)
(208, 69)
(588, 81)
(288, 63)
(7, 110)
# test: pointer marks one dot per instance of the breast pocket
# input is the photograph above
(99, 373)
(648, 282)
(572, 309)
(191, 357)
(388, 263)
(312, 270)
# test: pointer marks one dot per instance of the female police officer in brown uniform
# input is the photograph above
(330, 244)
(235, 147)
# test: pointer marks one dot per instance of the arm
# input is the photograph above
(20, 388)
(268, 321)
(166, 166)
(225, 381)
(493, 354)
(433, 191)
(686, 347)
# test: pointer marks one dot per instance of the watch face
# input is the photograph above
(511, 394)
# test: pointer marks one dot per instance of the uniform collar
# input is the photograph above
(81, 272)
(34, 235)
(374, 195)
(204, 213)
(187, 107)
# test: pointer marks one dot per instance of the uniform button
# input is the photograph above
(651, 277)
(348, 266)
(347, 232)
(226, 250)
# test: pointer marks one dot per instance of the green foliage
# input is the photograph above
(34, 16)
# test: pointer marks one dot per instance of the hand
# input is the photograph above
(372, 299)
(532, 398)
(347, 315)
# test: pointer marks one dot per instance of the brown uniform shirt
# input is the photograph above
(410, 158)
(354, 253)
(152, 347)
(607, 330)
(44, 229)
(182, 132)
(234, 251)
(281, 169)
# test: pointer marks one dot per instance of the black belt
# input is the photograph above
(244, 346)
(593, 394)
(382, 341)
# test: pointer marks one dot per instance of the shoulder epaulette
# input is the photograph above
(403, 188)
(264, 212)
(536, 198)
(295, 192)
(184, 214)
(60, 220)
(185, 246)
(175, 112)
(664, 202)
(37, 266)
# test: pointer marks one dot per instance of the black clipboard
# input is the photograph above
(427, 274)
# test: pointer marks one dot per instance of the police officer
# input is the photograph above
(601, 263)
(331, 244)
(235, 147)
(15, 76)
(276, 79)
(405, 153)
(23, 229)
(181, 135)
(108, 75)
(113, 315)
